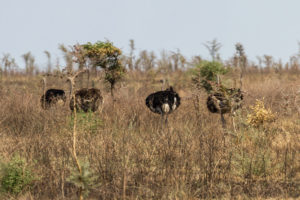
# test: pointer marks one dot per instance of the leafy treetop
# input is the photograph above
(104, 55)
(206, 74)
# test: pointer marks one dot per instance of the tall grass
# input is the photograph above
(132, 157)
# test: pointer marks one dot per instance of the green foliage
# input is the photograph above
(106, 56)
(16, 176)
(206, 73)
(210, 70)
(252, 159)
(114, 73)
(87, 122)
(84, 180)
(103, 54)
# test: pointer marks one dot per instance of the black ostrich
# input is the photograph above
(52, 97)
(87, 100)
(227, 101)
(163, 102)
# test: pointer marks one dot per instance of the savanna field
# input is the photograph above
(124, 152)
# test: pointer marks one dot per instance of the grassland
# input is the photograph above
(131, 157)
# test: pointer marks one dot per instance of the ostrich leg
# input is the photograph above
(223, 121)
(162, 120)
(233, 123)
(166, 120)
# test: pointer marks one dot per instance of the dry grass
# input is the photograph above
(134, 158)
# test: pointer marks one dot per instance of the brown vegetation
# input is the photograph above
(132, 157)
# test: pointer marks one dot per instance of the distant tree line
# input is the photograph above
(148, 61)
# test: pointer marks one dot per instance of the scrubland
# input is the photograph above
(130, 156)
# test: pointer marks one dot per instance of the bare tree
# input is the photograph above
(131, 58)
(146, 61)
(68, 57)
(178, 60)
(78, 56)
(260, 61)
(213, 48)
(164, 64)
(29, 63)
(241, 61)
(196, 60)
(294, 63)
(71, 78)
(268, 61)
(57, 69)
(49, 64)
(8, 63)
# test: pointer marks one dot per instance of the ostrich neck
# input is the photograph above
(44, 85)
(88, 79)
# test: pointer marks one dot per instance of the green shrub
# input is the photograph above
(83, 179)
(86, 122)
(16, 176)
(206, 73)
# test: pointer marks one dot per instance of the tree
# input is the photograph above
(29, 63)
(67, 57)
(240, 59)
(104, 55)
(49, 64)
(213, 48)
(131, 55)
(268, 61)
(146, 61)
(178, 60)
(8, 63)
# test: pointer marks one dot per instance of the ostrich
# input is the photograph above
(52, 96)
(163, 102)
(225, 102)
(87, 99)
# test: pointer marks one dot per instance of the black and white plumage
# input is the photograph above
(52, 97)
(87, 100)
(227, 101)
(163, 102)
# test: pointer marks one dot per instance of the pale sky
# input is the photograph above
(269, 27)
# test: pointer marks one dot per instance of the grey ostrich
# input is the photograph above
(227, 101)
(86, 99)
(163, 102)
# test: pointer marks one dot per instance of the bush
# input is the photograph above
(206, 73)
(84, 179)
(87, 122)
(260, 115)
(15, 176)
